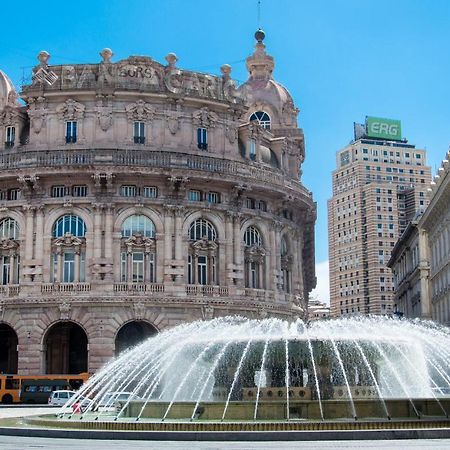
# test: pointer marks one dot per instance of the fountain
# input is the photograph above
(237, 370)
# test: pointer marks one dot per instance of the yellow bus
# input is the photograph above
(10, 385)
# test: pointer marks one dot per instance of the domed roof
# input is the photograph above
(261, 88)
(8, 95)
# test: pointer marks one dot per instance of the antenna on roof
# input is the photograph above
(259, 13)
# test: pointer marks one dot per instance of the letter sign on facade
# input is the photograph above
(384, 128)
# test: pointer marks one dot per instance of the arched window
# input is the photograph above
(252, 237)
(254, 258)
(9, 229)
(286, 266)
(203, 251)
(68, 250)
(138, 250)
(10, 252)
(138, 224)
(262, 118)
(202, 228)
(71, 224)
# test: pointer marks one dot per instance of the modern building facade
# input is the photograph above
(377, 187)
(421, 258)
(318, 310)
(135, 196)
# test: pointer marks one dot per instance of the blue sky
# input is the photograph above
(341, 60)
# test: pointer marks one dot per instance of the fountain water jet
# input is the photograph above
(246, 370)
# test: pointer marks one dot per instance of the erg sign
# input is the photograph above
(384, 128)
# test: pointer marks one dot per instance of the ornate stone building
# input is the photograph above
(136, 196)
(420, 260)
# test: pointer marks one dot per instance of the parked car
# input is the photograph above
(60, 398)
(111, 400)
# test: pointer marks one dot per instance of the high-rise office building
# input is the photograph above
(379, 183)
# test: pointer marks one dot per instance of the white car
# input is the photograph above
(111, 400)
(60, 398)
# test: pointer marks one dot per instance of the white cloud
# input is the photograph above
(322, 290)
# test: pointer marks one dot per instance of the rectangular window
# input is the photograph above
(71, 132)
(138, 267)
(213, 197)
(139, 132)
(10, 136)
(58, 191)
(69, 267)
(252, 149)
(250, 203)
(79, 190)
(202, 269)
(13, 194)
(128, 191)
(150, 191)
(195, 196)
(202, 138)
(262, 205)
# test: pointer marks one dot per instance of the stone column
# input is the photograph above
(29, 233)
(12, 268)
(424, 267)
(238, 249)
(129, 266)
(179, 213)
(39, 246)
(146, 267)
(59, 266)
(77, 263)
(228, 249)
(97, 231)
(109, 232)
(179, 233)
(272, 263)
(261, 273)
(295, 267)
(168, 250)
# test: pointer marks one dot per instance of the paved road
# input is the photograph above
(23, 443)
(22, 411)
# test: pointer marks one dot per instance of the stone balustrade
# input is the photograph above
(139, 287)
(147, 158)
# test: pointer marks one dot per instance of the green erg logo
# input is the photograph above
(384, 128)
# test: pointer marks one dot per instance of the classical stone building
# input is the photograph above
(378, 186)
(136, 196)
(421, 258)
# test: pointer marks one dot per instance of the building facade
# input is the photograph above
(136, 196)
(377, 187)
(318, 310)
(421, 258)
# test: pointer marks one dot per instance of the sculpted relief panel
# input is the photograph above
(139, 72)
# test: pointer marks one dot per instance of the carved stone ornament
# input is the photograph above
(204, 245)
(64, 310)
(8, 116)
(9, 244)
(2, 309)
(231, 133)
(104, 117)
(208, 312)
(70, 110)
(68, 240)
(140, 111)
(205, 118)
(173, 122)
(255, 253)
(138, 240)
(138, 310)
(37, 119)
(173, 78)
